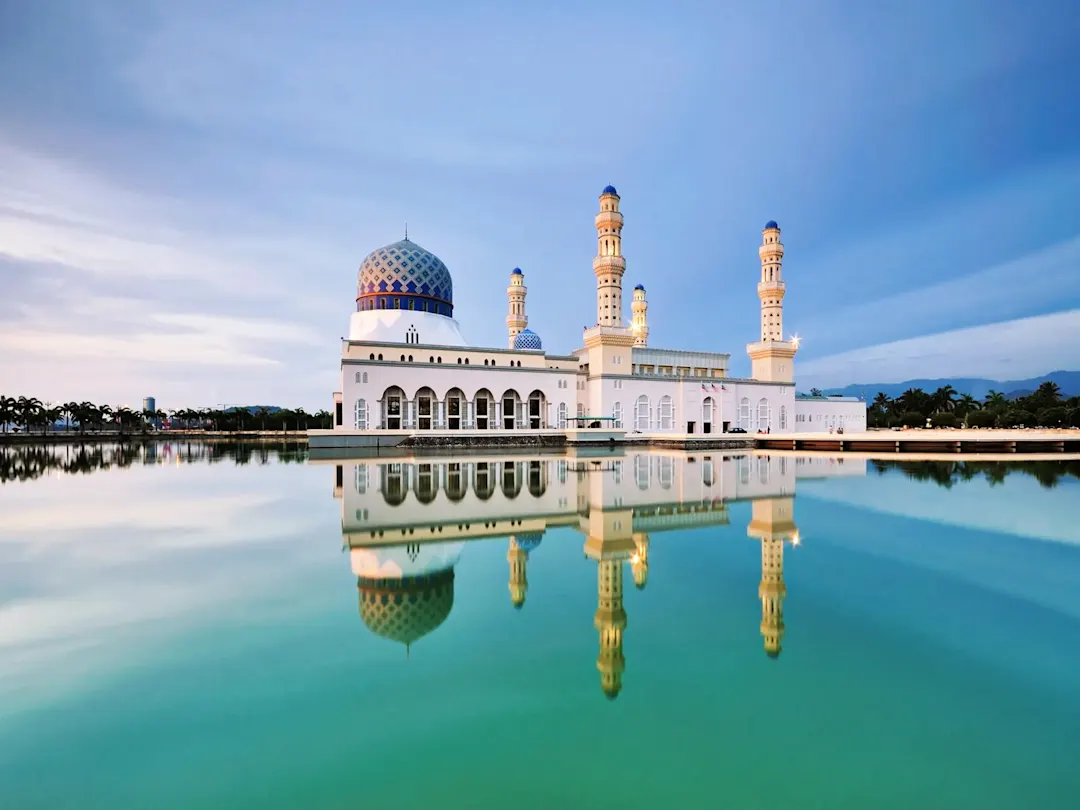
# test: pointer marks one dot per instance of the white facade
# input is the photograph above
(407, 366)
(829, 414)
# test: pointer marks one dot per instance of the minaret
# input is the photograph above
(772, 359)
(517, 557)
(639, 560)
(610, 620)
(609, 264)
(772, 523)
(516, 320)
(638, 323)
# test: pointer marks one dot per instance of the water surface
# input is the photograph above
(189, 626)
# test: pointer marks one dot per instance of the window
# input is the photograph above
(667, 413)
(783, 417)
(763, 414)
(361, 478)
(364, 378)
(744, 413)
(581, 409)
(561, 415)
(616, 413)
(641, 413)
(641, 471)
(360, 415)
(358, 376)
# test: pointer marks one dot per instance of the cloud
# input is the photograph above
(1024, 347)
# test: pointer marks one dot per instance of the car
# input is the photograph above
(736, 430)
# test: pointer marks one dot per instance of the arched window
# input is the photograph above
(667, 471)
(641, 471)
(358, 376)
(763, 469)
(581, 409)
(561, 415)
(783, 417)
(616, 413)
(763, 414)
(641, 413)
(667, 413)
(744, 413)
(360, 414)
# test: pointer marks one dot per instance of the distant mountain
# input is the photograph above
(1068, 381)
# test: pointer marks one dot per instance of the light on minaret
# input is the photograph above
(609, 264)
(639, 324)
(516, 319)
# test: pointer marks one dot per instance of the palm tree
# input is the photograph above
(882, 402)
(995, 400)
(915, 400)
(68, 411)
(28, 410)
(261, 413)
(1048, 394)
(52, 416)
(944, 399)
(966, 404)
(815, 392)
(7, 411)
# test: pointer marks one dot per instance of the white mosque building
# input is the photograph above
(406, 366)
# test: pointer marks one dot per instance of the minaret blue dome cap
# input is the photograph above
(527, 340)
(516, 272)
(639, 287)
(610, 190)
(771, 224)
(529, 542)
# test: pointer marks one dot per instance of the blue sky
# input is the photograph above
(187, 189)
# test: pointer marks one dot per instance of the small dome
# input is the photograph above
(516, 272)
(527, 340)
(610, 190)
(529, 542)
(771, 224)
(640, 287)
(394, 276)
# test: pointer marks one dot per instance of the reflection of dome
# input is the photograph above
(529, 542)
(406, 609)
(405, 591)
(771, 224)
(527, 339)
(609, 190)
(394, 276)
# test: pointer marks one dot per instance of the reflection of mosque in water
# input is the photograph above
(406, 522)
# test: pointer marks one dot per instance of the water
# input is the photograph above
(189, 627)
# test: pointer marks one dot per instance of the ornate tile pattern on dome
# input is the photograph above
(528, 340)
(405, 267)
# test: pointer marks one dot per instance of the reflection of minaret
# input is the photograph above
(610, 621)
(639, 561)
(772, 523)
(518, 557)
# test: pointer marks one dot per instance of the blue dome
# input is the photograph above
(771, 224)
(639, 287)
(609, 190)
(404, 276)
(527, 339)
(516, 272)
(529, 542)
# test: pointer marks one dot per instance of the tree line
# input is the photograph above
(25, 463)
(30, 414)
(1044, 407)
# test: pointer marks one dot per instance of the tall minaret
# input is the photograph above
(610, 620)
(609, 264)
(638, 323)
(773, 524)
(516, 320)
(517, 557)
(772, 359)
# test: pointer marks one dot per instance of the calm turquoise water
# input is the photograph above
(197, 633)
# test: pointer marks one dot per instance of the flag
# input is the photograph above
(723, 388)
(703, 388)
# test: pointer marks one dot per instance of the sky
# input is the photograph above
(188, 189)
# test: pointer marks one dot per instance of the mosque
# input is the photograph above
(407, 522)
(406, 366)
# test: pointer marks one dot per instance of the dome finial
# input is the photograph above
(406, 231)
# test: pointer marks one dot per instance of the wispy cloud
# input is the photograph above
(1018, 348)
